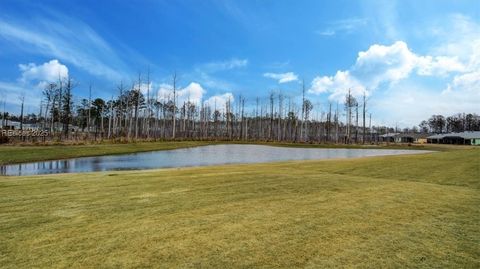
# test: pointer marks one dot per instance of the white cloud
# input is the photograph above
(326, 32)
(219, 101)
(462, 36)
(384, 64)
(439, 65)
(407, 104)
(282, 77)
(193, 92)
(50, 71)
(146, 88)
(461, 39)
(223, 65)
(407, 97)
(380, 65)
(343, 26)
(337, 85)
(389, 64)
(33, 78)
(467, 84)
(71, 41)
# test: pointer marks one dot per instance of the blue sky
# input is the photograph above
(412, 58)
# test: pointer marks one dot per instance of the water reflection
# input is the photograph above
(198, 156)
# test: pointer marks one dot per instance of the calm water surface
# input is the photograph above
(197, 156)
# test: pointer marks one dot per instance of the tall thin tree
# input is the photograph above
(174, 82)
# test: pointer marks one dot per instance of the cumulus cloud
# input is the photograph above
(282, 77)
(468, 83)
(146, 88)
(380, 65)
(49, 71)
(337, 85)
(406, 97)
(384, 64)
(461, 39)
(439, 65)
(33, 78)
(193, 92)
(219, 101)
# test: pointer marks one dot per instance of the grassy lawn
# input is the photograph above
(18, 154)
(397, 211)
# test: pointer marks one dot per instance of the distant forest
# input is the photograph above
(136, 115)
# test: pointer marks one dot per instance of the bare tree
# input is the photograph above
(137, 104)
(89, 108)
(22, 101)
(350, 102)
(307, 107)
(67, 106)
(364, 110)
(174, 82)
(49, 94)
(356, 122)
(329, 121)
(303, 110)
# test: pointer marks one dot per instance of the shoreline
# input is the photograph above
(11, 154)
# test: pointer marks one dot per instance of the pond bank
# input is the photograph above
(194, 156)
(10, 154)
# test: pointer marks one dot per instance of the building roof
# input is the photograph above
(464, 135)
(437, 136)
(413, 135)
(389, 135)
(12, 123)
(469, 135)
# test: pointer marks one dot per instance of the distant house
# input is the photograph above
(404, 138)
(422, 140)
(15, 125)
(463, 138)
(411, 138)
(435, 139)
(389, 137)
(11, 125)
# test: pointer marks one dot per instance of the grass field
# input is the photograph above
(19, 154)
(397, 211)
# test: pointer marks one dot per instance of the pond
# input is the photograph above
(196, 156)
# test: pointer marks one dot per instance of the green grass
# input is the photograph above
(435, 147)
(18, 154)
(415, 211)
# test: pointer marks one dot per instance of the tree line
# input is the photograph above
(138, 113)
(459, 122)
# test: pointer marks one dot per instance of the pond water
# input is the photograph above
(196, 156)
